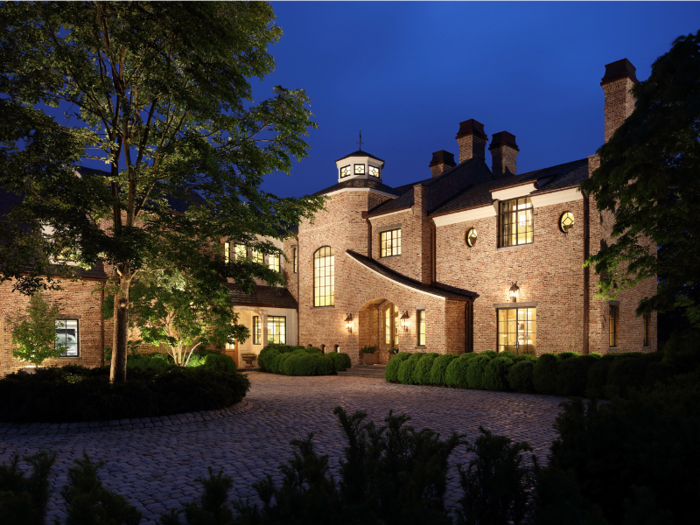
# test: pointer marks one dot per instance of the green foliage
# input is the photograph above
(573, 374)
(456, 371)
(545, 374)
(477, 369)
(391, 373)
(156, 361)
(220, 362)
(369, 349)
(341, 361)
(439, 370)
(407, 367)
(645, 179)
(627, 371)
(494, 482)
(312, 350)
(74, 393)
(683, 350)
(88, 502)
(211, 509)
(34, 333)
(597, 379)
(520, 376)
(300, 361)
(23, 499)
(496, 373)
(422, 371)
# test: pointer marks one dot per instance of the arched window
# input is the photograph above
(324, 277)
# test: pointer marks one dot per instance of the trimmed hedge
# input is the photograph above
(572, 375)
(421, 373)
(300, 361)
(439, 370)
(456, 372)
(391, 373)
(496, 374)
(477, 369)
(520, 376)
(407, 367)
(74, 393)
(545, 375)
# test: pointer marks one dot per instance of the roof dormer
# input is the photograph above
(359, 165)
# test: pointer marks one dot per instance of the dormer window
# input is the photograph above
(359, 169)
(374, 172)
(345, 171)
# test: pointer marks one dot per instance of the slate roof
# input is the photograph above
(267, 296)
(442, 291)
(359, 183)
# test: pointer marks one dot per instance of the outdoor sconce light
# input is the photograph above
(404, 321)
(348, 323)
(513, 293)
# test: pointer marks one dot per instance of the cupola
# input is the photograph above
(359, 165)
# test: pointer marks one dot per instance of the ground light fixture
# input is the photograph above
(404, 321)
(348, 323)
(514, 292)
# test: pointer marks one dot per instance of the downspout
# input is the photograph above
(433, 252)
(586, 272)
(369, 238)
(298, 280)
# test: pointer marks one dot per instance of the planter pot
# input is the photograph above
(249, 360)
(369, 359)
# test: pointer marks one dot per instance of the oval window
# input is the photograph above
(471, 237)
(566, 221)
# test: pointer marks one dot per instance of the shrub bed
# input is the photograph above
(391, 373)
(75, 393)
(300, 361)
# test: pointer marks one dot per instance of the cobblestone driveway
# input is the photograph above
(154, 468)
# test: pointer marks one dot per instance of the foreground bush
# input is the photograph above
(74, 393)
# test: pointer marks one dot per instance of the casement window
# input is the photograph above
(359, 169)
(277, 330)
(258, 257)
(257, 330)
(345, 171)
(391, 326)
(324, 277)
(613, 324)
(646, 318)
(273, 262)
(295, 262)
(374, 172)
(390, 243)
(517, 330)
(241, 252)
(420, 322)
(517, 225)
(67, 337)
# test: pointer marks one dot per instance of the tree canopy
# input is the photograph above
(649, 177)
(160, 92)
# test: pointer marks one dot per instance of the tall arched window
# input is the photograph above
(324, 273)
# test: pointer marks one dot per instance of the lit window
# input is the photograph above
(374, 172)
(258, 257)
(391, 325)
(566, 221)
(647, 329)
(324, 277)
(227, 252)
(517, 330)
(67, 337)
(241, 251)
(359, 169)
(257, 330)
(390, 243)
(614, 321)
(471, 237)
(517, 222)
(420, 319)
(277, 330)
(345, 171)
(273, 262)
(294, 259)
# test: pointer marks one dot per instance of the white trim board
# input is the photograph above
(342, 190)
(516, 191)
(556, 197)
(465, 216)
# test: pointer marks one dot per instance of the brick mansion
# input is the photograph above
(470, 257)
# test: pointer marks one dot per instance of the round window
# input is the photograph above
(566, 221)
(471, 237)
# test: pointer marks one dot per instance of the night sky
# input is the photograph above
(406, 74)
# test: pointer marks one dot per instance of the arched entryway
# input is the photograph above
(379, 326)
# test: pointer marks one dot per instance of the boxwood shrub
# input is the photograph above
(391, 373)
(439, 370)
(74, 393)
(572, 374)
(477, 369)
(520, 376)
(406, 368)
(456, 372)
(300, 361)
(545, 375)
(597, 378)
(496, 374)
(341, 361)
(421, 373)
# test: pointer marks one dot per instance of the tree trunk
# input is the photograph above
(121, 332)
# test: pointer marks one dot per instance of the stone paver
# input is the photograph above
(153, 464)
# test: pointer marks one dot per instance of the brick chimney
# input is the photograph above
(442, 161)
(504, 151)
(472, 140)
(619, 79)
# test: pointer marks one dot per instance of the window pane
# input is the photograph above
(517, 330)
(517, 222)
(421, 327)
(390, 243)
(67, 336)
(257, 330)
(324, 273)
(277, 330)
(273, 262)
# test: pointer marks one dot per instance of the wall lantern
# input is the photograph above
(404, 321)
(348, 323)
(513, 293)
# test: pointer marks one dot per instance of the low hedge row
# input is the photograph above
(300, 361)
(74, 393)
(565, 374)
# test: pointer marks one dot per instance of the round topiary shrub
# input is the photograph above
(683, 350)
(520, 376)
(341, 362)
(391, 372)
(567, 355)
(220, 362)
(597, 379)
(421, 373)
(477, 370)
(265, 358)
(278, 364)
(626, 372)
(439, 369)
(456, 372)
(545, 376)
(407, 367)
(325, 365)
(313, 350)
(496, 374)
(573, 375)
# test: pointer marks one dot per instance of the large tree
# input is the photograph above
(649, 178)
(160, 92)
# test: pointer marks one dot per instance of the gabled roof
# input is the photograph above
(359, 183)
(263, 296)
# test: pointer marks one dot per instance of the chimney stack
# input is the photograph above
(504, 151)
(472, 140)
(619, 79)
(442, 161)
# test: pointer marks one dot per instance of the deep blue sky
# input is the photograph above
(406, 74)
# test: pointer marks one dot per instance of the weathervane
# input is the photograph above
(360, 142)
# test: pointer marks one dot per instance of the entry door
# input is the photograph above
(232, 351)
